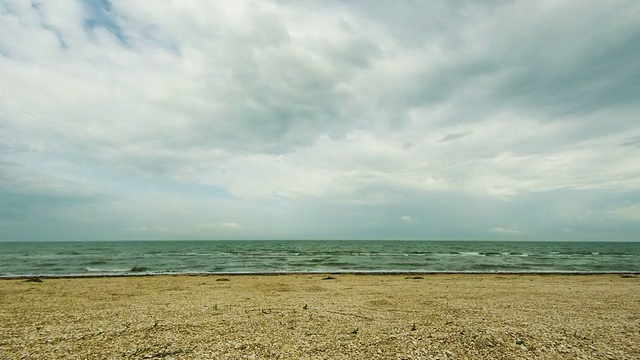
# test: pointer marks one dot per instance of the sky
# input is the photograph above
(167, 119)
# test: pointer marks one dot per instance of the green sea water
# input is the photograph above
(176, 257)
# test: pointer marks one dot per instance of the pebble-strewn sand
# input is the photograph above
(307, 316)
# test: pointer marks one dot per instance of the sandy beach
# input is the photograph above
(319, 316)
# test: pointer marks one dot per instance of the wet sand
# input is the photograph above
(315, 316)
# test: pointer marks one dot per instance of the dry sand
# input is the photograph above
(309, 317)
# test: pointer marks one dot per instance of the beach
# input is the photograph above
(322, 316)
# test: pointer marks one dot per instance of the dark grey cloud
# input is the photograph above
(454, 136)
(633, 142)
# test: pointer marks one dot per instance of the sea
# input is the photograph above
(127, 258)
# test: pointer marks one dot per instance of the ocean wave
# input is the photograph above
(490, 253)
(96, 262)
(134, 269)
(73, 253)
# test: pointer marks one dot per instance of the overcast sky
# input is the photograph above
(515, 120)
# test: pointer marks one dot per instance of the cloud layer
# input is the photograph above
(277, 119)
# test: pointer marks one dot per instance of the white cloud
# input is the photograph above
(506, 231)
(226, 226)
(629, 213)
(288, 109)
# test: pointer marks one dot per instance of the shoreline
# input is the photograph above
(347, 272)
(323, 316)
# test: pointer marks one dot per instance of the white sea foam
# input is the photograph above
(100, 270)
(469, 253)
